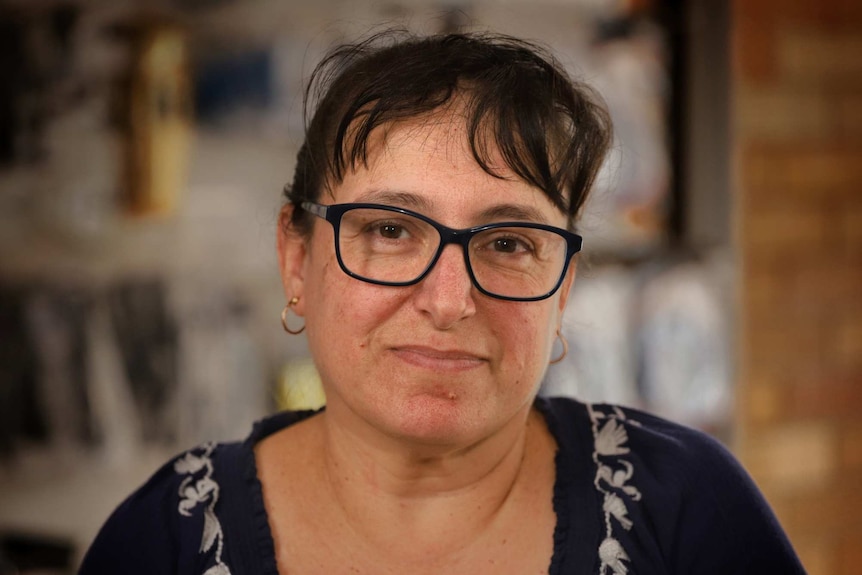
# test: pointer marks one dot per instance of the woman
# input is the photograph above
(426, 243)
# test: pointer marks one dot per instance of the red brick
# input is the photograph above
(771, 271)
(784, 228)
(773, 457)
(752, 41)
(822, 170)
(788, 343)
(848, 114)
(773, 112)
(850, 552)
(813, 175)
(797, 105)
(763, 401)
(832, 511)
(845, 351)
(810, 56)
(851, 446)
(851, 226)
(823, 396)
(808, 296)
(830, 286)
(818, 554)
(757, 286)
(829, 15)
(776, 313)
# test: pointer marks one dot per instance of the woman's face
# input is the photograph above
(437, 362)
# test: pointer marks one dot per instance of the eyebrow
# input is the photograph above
(502, 212)
(514, 212)
(395, 198)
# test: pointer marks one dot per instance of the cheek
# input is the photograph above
(524, 333)
(329, 298)
(343, 313)
(332, 328)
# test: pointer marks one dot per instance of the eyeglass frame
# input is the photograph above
(334, 212)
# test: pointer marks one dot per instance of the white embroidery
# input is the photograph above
(615, 506)
(198, 489)
(612, 555)
(610, 439)
(612, 476)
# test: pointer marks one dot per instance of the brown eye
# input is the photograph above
(506, 245)
(391, 231)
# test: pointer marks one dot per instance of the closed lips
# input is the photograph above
(439, 357)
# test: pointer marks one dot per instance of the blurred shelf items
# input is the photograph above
(143, 147)
(22, 553)
(155, 105)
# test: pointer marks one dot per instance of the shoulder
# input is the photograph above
(608, 427)
(168, 524)
(178, 520)
(673, 497)
(673, 459)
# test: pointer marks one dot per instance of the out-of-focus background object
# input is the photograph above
(298, 387)
(155, 106)
(143, 147)
(22, 553)
(797, 156)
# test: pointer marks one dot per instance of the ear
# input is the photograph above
(292, 248)
(566, 288)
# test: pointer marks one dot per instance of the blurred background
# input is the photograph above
(144, 146)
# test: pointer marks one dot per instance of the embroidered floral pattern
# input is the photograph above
(612, 555)
(199, 488)
(613, 474)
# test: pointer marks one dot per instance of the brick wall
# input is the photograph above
(797, 146)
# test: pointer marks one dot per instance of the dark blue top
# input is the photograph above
(634, 494)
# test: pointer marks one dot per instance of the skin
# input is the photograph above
(429, 430)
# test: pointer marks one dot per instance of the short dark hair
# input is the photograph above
(552, 131)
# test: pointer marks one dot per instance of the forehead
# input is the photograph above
(429, 159)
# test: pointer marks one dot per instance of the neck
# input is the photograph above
(391, 487)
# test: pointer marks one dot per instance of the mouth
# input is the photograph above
(439, 359)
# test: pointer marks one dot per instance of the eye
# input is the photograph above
(509, 242)
(379, 227)
(391, 231)
(509, 245)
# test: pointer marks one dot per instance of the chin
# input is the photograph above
(438, 419)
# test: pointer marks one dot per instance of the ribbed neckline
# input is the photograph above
(562, 487)
(260, 518)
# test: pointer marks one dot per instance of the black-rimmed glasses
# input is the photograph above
(385, 245)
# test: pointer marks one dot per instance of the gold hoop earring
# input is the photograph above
(293, 301)
(565, 348)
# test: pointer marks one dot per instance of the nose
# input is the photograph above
(446, 293)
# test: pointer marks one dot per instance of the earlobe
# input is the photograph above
(291, 246)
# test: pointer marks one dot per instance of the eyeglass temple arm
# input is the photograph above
(316, 209)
